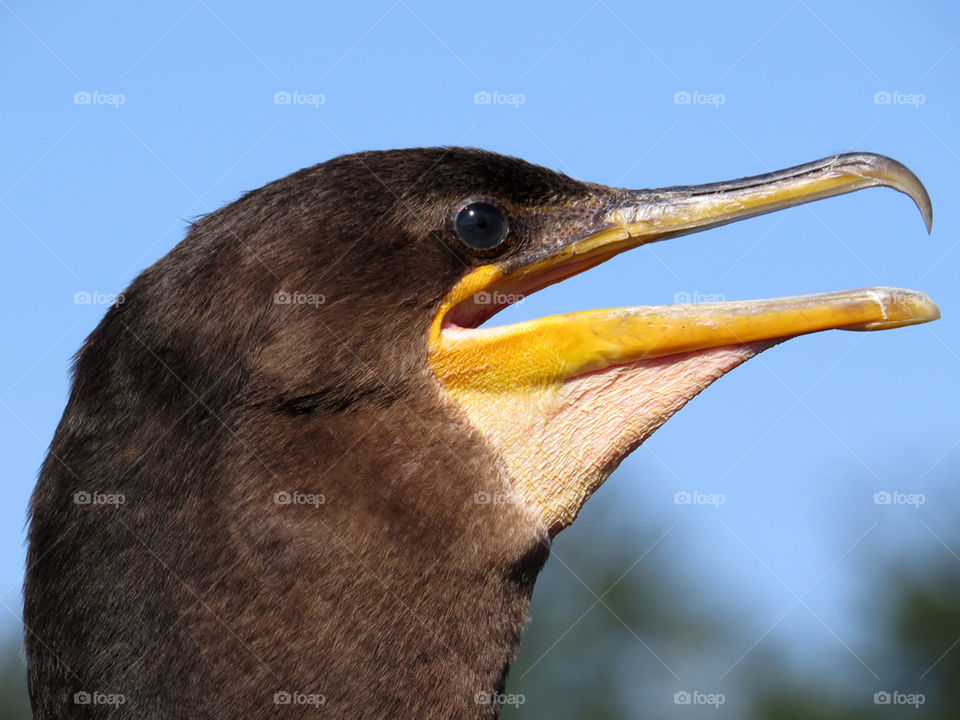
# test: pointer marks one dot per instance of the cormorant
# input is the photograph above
(295, 478)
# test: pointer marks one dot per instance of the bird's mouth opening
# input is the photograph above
(552, 350)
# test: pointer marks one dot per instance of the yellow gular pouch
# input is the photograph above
(563, 399)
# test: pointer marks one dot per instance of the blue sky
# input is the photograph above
(122, 122)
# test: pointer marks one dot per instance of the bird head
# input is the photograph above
(324, 341)
(449, 237)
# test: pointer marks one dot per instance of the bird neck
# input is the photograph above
(271, 562)
(384, 593)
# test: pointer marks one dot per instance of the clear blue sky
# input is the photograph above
(181, 119)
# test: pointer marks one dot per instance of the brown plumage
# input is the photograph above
(259, 503)
(200, 397)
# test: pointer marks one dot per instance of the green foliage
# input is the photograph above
(14, 704)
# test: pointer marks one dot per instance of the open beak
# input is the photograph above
(564, 399)
(554, 349)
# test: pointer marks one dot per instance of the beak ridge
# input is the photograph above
(673, 211)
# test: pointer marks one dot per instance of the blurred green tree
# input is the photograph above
(14, 704)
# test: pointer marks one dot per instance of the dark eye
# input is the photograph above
(481, 226)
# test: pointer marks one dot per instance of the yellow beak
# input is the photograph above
(552, 350)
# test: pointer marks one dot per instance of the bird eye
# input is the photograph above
(481, 226)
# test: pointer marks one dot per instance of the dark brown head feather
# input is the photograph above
(203, 397)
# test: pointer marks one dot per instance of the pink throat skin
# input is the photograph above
(559, 444)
